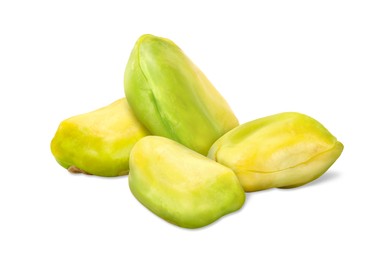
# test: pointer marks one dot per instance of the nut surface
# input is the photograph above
(98, 142)
(181, 186)
(172, 97)
(284, 150)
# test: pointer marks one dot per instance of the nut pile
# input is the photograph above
(189, 160)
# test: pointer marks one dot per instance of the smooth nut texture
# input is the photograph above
(98, 142)
(172, 97)
(284, 150)
(181, 186)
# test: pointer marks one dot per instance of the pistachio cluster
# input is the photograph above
(188, 159)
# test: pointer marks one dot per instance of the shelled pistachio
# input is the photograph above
(181, 186)
(284, 150)
(172, 97)
(98, 142)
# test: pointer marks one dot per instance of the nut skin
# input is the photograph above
(181, 186)
(285, 150)
(98, 142)
(172, 97)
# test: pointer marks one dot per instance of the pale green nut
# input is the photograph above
(98, 142)
(172, 97)
(181, 186)
(284, 150)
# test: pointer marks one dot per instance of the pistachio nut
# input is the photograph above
(172, 97)
(98, 142)
(284, 150)
(181, 186)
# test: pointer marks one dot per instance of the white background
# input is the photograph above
(327, 59)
